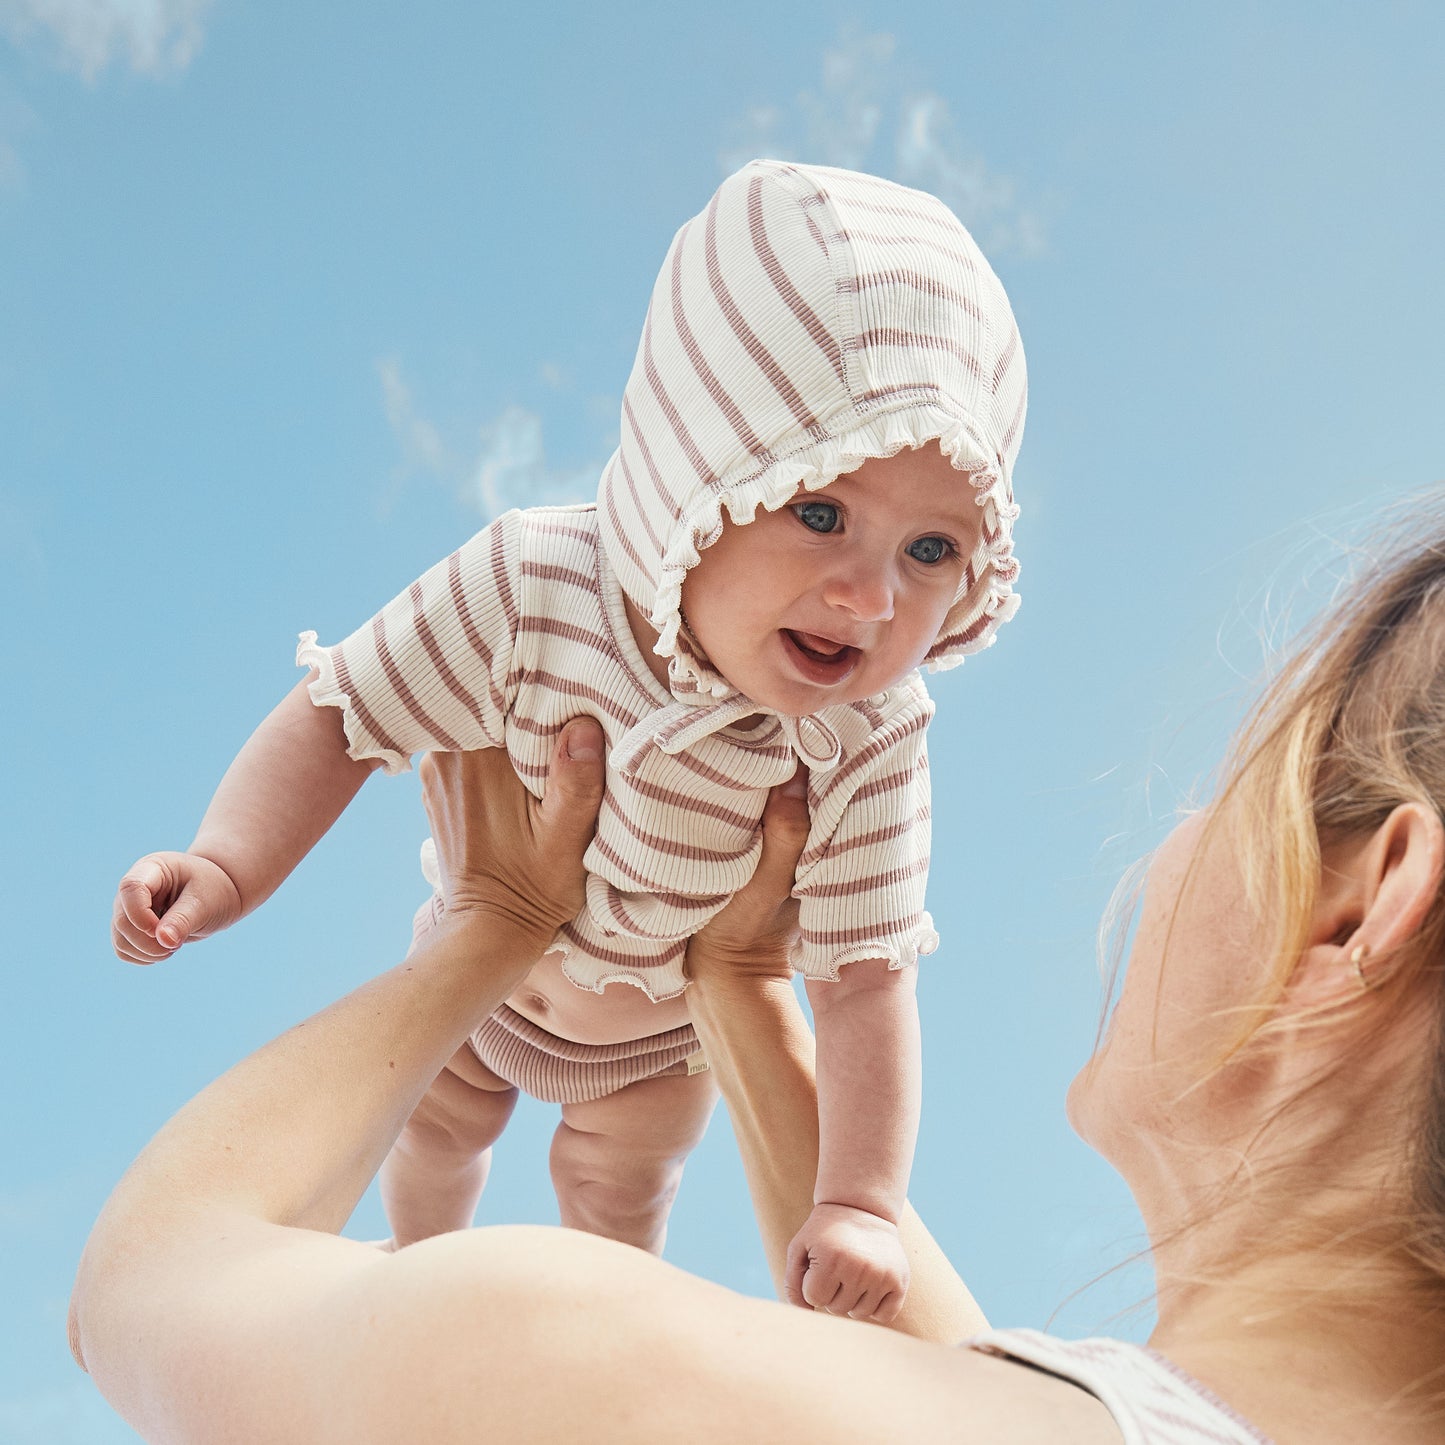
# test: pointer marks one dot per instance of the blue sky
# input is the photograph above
(292, 296)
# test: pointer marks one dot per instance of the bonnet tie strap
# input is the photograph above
(678, 726)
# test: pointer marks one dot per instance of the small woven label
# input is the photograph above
(696, 1063)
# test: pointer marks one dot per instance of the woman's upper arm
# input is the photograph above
(531, 1334)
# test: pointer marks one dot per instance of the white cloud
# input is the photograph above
(511, 468)
(421, 444)
(864, 115)
(151, 36)
(506, 466)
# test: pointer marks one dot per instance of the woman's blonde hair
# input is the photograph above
(1351, 727)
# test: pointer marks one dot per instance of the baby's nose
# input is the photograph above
(862, 590)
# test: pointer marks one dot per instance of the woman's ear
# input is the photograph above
(1376, 889)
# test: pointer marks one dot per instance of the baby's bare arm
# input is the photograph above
(869, 1086)
(289, 783)
(849, 1257)
(286, 787)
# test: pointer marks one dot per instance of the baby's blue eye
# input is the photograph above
(817, 516)
(929, 550)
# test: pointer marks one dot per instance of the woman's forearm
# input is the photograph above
(758, 1043)
(289, 783)
(761, 1051)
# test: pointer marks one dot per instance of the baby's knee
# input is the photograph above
(459, 1122)
(616, 1188)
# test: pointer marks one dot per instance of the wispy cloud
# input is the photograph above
(865, 115)
(152, 37)
(504, 465)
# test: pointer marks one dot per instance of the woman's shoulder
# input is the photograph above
(1150, 1398)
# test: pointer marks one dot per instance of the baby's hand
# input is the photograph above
(848, 1262)
(167, 899)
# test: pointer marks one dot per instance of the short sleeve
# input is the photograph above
(429, 671)
(862, 878)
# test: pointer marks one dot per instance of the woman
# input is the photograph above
(1272, 1087)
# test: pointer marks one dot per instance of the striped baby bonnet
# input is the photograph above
(807, 320)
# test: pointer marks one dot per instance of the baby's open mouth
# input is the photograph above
(821, 658)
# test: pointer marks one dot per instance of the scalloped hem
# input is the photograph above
(872, 435)
(901, 953)
(326, 692)
(607, 974)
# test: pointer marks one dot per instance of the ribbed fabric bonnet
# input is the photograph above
(807, 320)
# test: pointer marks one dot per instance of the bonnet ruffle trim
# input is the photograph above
(818, 462)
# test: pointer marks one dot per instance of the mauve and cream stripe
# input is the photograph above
(805, 320)
(677, 837)
(562, 1071)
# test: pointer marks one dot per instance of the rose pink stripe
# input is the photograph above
(470, 630)
(1005, 360)
(408, 699)
(607, 955)
(867, 840)
(620, 863)
(669, 501)
(674, 417)
(715, 389)
(879, 933)
(658, 794)
(437, 657)
(915, 280)
(364, 715)
(911, 340)
(673, 847)
(875, 749)
(583, 636)
(502, 580)
(883, 238)
(573, 687)
(696, 909)
(551, 528)
(765, 361)
(555, 572)
(876, 881)
(767, 257)
(910, 390)
(619, 528)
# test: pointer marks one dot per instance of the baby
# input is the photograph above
(811, 500)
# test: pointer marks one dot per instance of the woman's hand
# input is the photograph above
(751, 938)
(504, 855)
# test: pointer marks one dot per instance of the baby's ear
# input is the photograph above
(1376, 890)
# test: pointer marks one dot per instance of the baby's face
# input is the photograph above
(841, 592)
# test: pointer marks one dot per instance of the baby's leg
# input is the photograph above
(433, 1177)
(617, 1161)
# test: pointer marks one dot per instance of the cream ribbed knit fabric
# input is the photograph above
(1152, 1400)
(808, 320)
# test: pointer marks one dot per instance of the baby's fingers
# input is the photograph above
(796, 1267)
(133, 946)
(135, 898)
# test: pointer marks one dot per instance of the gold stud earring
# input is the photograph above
(1358, 954)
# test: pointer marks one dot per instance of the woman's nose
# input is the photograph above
(862, 588)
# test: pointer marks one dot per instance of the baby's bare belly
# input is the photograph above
(618, 1013)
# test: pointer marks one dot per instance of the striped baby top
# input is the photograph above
(523, 628)
(1152, 1400)
(808, 319)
